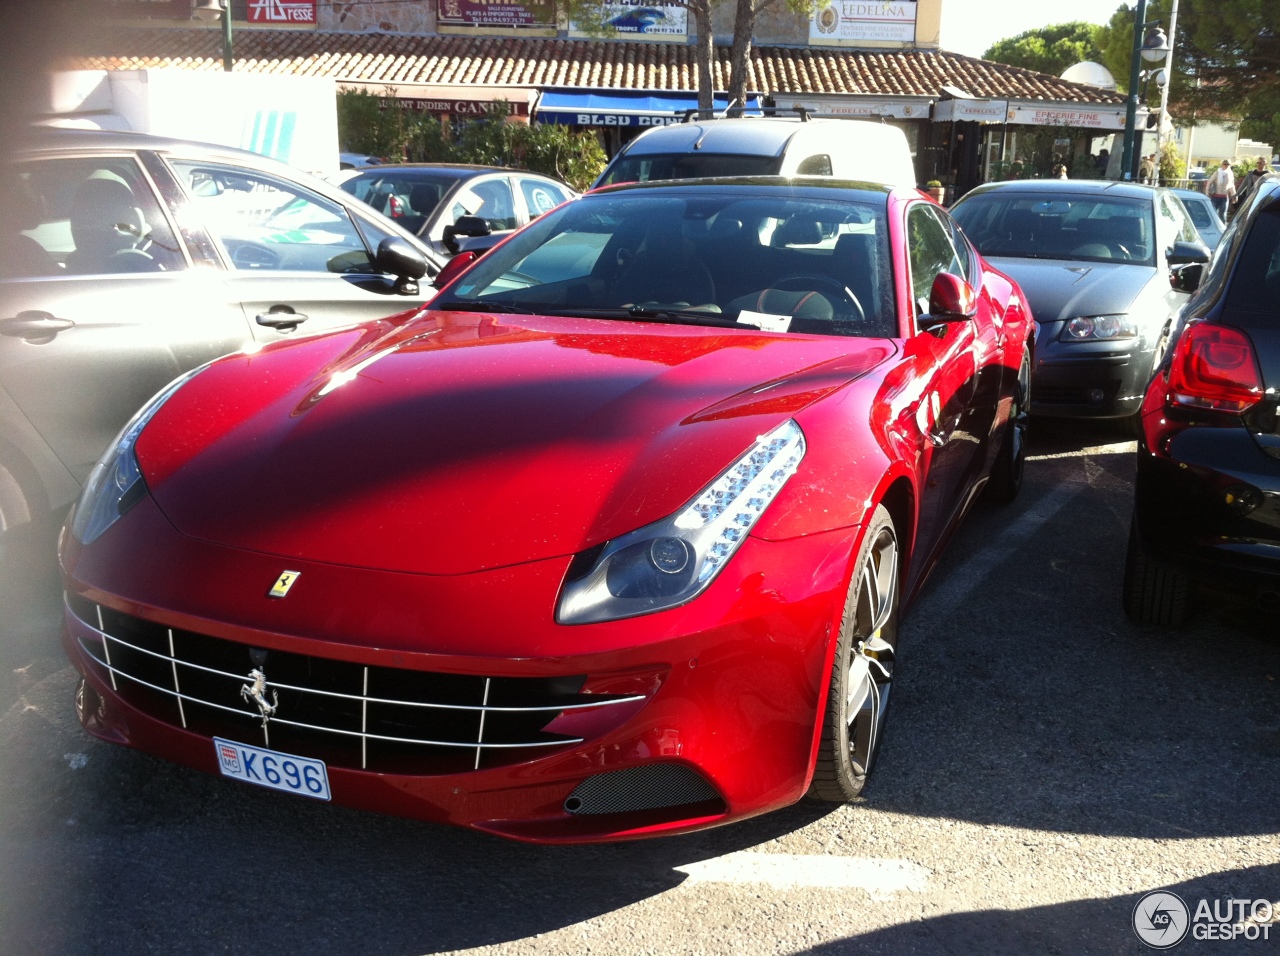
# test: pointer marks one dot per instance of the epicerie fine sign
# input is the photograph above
(849, 20)
(282, 11)
(1090, 119)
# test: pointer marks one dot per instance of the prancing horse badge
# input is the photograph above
(283, 583)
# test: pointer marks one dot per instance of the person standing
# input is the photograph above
(1222, 187)
(1253, 177)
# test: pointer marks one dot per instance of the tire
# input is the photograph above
(862, 671)
(1154, 595)
(1006, 472)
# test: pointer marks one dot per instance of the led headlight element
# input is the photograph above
(1094, 328)
(115, 485)
(673, 560)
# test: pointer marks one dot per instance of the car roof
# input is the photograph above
(744, 136)
(1070, 187)
(809, 187)
(461, 169)
(59, 137)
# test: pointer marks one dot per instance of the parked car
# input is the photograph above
(1203, 216)
(442, 204)
(798, 145)
(1094, 259)
(358, 160)
(128, 259)
(645, 491)
(1209, 449)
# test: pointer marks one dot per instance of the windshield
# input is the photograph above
(767, 260)
(1077, 227)
(642, 169)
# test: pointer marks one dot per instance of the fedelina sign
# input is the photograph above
(282, 11)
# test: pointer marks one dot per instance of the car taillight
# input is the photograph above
(1214, 367)
(395, 208)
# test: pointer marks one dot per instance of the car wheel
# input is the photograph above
(1006, 473)
(1154, 594)
(862, 673)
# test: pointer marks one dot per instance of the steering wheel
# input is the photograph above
(806, 283)
(250, 255)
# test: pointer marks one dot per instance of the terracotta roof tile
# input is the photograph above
(520, 61)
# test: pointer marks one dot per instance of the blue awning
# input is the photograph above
(624, 109)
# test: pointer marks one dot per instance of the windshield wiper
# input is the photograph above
(679, 316)
(476, 305)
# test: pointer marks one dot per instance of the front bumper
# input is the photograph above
(727, 689)
(1088, 379)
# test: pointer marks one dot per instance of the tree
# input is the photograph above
(1050, 49)
(588, 16)
(1226, 59)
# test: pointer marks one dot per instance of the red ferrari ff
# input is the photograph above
(610, 541)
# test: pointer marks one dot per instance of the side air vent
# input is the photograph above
(640, 788)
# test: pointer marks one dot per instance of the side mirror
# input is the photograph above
(1188, 252)
(396, 257)
(1187, 277)
(464, 226)
(454, 268)
(950, 300)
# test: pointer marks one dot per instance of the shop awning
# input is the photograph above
(624, 109)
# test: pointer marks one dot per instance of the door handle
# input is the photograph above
(281, 317)
(34, 325)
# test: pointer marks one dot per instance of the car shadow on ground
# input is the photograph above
(1081, 928)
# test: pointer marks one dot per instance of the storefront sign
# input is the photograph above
(854, 106)
(639, 18)
(280, 12)
(1111, 118)
(497, 13)
(453, 107)
(846, 21)
(971, 111)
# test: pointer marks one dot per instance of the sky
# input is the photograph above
(971, 26)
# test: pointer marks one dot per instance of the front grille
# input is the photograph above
(650, 787)
(382, 719)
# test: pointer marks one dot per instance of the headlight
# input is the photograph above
(115, 485)
(673, 560)
(1093, 328)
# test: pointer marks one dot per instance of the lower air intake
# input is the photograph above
(640, 788)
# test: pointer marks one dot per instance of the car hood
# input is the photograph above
(1063, 288)
(459, 441)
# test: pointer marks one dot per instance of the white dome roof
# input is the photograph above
(1090, 74)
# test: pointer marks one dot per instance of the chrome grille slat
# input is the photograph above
(362, 730)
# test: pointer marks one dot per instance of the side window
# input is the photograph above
(1172, 224)
(1255, 281)
(83, 216)
(265, 223)
(963, 251)
(930, 252)
(497, 204)
(819, 165)
(540, 196)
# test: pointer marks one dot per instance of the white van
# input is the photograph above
(766, 146)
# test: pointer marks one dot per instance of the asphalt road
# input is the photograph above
(1046, 765)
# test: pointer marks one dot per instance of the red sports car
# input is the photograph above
(611, 541)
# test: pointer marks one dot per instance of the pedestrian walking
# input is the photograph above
(1221, 187)
(1251, 179)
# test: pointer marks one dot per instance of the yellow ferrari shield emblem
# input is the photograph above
(283, 583)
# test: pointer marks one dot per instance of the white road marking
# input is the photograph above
(1115, 448)
(879, 877)
(950, 593)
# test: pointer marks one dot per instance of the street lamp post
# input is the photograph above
(210, 10)
(1153, 47)
(1164, 90)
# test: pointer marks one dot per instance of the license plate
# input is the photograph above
(270, 768)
